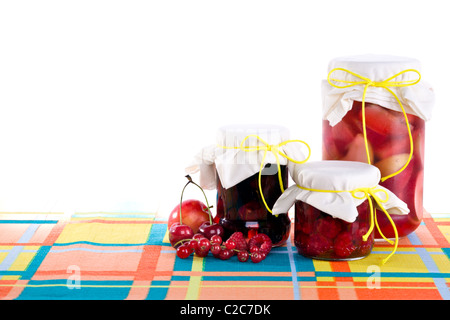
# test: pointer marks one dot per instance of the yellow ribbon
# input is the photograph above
(369, 193)
(366, 82)
(266, 147)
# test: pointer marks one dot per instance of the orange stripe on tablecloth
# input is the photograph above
(147, 264)
(11, 293)
(54, 234)
(244, 290)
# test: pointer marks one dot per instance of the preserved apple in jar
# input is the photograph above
(389, 148)
(374, 110)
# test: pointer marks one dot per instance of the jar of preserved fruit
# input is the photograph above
(248, 167)
(335, 207)
(374, 111)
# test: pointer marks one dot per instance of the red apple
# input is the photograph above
(193, 213)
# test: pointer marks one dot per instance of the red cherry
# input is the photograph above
(178, 232)
(198, 236)
(209, 230)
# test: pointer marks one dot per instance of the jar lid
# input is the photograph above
(335, 175)
(417, 99)
(332, 187)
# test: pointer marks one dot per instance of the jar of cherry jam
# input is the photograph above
(374, 111)
(333, 215)
(248, 166)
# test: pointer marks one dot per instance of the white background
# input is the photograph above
(103, 103)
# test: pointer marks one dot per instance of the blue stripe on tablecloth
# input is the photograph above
(293, 270)
(16, 250)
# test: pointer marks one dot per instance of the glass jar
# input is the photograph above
(320, 236)
(240, 208)
(249, 167)
(334, 208)
(387, 143)
(389, 150)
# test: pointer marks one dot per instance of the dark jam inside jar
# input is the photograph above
(318, 235)
(389, 148)
(241, 208)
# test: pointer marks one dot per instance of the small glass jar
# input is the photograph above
(320, 236)
(386, 128)
(334, 208)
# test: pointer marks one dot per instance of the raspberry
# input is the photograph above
(239, 240)
(343, 245)
(328, 227)
(262, 242)
(317, 245)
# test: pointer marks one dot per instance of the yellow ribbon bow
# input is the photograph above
(366, 82)
(369, 193)
(266, 147)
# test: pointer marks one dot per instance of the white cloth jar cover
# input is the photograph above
(342, 177)
(417, 99)
(234, 163)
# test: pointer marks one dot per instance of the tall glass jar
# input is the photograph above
(375, 108)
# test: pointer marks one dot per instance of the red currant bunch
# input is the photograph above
(257, 248)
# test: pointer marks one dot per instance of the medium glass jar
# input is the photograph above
(248, 180)
(249, 167)
(320, 236)
(240, 208)
(376, 132)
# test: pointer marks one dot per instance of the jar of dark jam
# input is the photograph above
(249, 167)
(248, 176)
(240, 208)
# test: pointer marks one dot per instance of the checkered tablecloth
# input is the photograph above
(126, 256)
